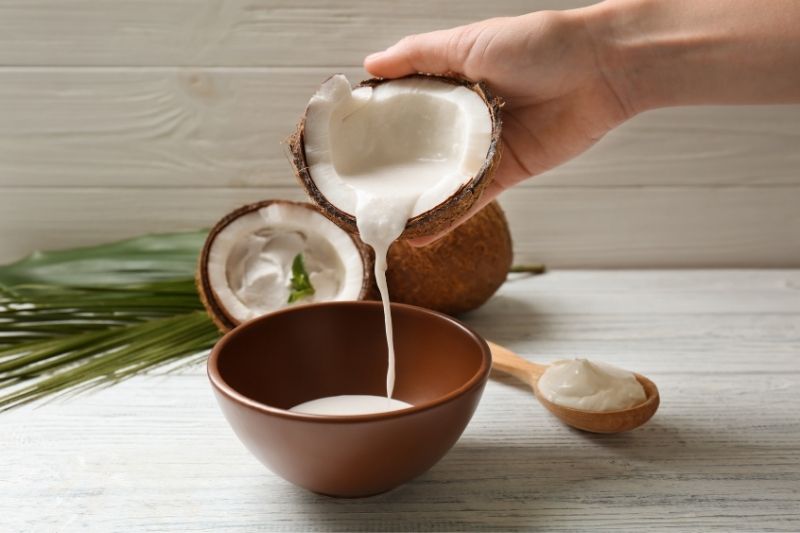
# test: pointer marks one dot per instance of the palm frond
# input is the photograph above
(133, 261)
(75, 320)
(83, 361)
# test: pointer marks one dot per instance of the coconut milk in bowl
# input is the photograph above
(263, 368)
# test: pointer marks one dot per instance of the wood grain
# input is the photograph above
(721, 454)
(226, 127)
(227, 33)
(621, 226)
(150, 128)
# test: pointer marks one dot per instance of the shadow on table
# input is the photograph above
(511, 487)
(471, 489)
(510, 321)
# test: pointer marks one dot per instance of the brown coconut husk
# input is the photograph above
(458, 272)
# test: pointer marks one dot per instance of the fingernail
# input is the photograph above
(375, 56)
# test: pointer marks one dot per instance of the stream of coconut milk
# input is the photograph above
(381, 219)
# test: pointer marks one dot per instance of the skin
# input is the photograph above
(569, 77)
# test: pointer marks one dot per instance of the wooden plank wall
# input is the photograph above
(118, 118)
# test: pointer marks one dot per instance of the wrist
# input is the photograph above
(626, 53)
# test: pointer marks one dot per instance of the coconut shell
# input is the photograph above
(458, 272)
(434, 220)
(219, 315)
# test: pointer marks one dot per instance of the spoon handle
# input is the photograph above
(508, 362)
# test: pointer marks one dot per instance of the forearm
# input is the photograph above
(658, 53)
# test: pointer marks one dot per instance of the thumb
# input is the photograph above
(437, 52)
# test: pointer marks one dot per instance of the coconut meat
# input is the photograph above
(250, 260)
(416, 138)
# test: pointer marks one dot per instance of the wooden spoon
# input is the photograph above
(508, 362)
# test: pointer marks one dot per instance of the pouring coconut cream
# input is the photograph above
(389, 153)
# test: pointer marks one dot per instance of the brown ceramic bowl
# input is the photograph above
(274, 362)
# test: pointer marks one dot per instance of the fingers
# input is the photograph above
(490, 193)
(510, 172)
(437, 52)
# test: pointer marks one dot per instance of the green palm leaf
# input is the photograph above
(133, 261)
(77, 319)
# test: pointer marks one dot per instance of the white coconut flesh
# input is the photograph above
(250, 260)
(415, 138)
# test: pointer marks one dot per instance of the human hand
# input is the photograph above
(547, 68)
(568, 77)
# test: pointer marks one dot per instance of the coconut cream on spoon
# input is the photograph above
(389, 153)
(590, 386)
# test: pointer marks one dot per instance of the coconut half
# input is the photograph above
(432, 137)
(246, 262)
(246, 265)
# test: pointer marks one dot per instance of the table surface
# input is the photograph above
(722, 453)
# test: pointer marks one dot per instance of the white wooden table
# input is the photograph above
(723, 452)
